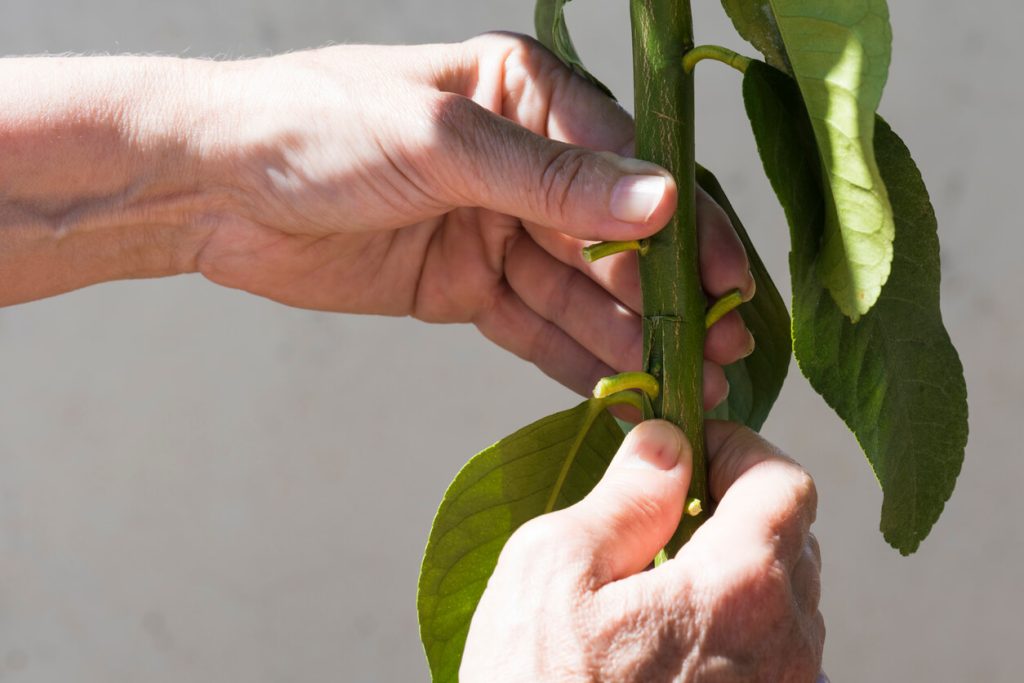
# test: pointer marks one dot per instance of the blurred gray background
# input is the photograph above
(199, 485)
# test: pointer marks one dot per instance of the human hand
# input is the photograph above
(570, 601)
(452, 183)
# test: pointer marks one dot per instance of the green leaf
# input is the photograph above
(552, 32)
(838, 51)
(546, 466)
(755, 381)
(755, 23)
(894, 377)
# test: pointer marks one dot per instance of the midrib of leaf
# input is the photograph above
(577, 443)
(841, 94)
(594, 408)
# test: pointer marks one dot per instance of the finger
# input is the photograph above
(815, 549)
(806, 581)
(473, 157)
(818, 640)
(635, 508)
(763, 496)
(516, 76)
(723, 260)
(576, 304)
(716, 386)
(728, 340)
(618, 274)
(512, 325)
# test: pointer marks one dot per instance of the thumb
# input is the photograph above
(635, 508)
(488, 161)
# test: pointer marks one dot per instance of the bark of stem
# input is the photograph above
(674, 301)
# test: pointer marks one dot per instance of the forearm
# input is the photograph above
(102, 174)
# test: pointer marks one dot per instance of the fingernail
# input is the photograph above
(635, 197)
(750, 288)
(751, 345)
(822, 678)
(659, 445)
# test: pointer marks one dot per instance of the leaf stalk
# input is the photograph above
(627, 381)
(600, 250)
(723, 307)
(716, 53)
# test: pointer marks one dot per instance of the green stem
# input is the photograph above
(594, 408)
(602, 249)
(624, 398)
(723, 307)
(717, 53)
(627, 381)
(674, 304)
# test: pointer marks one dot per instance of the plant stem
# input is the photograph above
(602, 250)
(674, 304)
(627, 381)
(717, 53)
(721, 308)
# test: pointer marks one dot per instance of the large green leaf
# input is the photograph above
(755, 381)
(546, 466)
(549, 22)
(838, 51)
(755, 22)
(894, 377)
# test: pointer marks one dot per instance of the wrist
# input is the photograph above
(174, 193)
(101, 172)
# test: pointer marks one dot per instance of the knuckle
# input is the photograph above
(547, 548)
(818, 637)
(805, 492)
(814, 547)
(765, 586)
(813, 598)
(521, 51)
(455, 146)
(509, 40)
(806, 651)
(533, 539)
(561, 173)
(453, 115)
(642, 512)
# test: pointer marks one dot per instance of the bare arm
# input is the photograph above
(101, 176)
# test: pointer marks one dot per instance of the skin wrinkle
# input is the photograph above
(563, 294)
(640, 620)
(406, 159)
(420, 309)
(488, 309)
(560, 179)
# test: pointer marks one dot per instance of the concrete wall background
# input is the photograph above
(198, 485)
